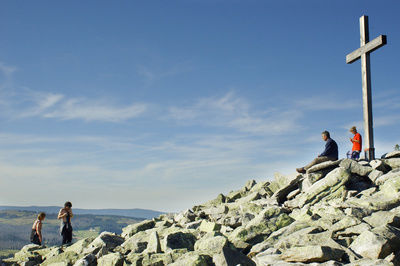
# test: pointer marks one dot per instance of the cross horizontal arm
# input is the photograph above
(369, 47)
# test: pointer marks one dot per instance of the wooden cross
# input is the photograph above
(366, 47)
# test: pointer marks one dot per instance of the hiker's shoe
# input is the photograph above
(301, 170)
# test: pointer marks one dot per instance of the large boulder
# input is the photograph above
(136, 243)
(132, 229)
(355, 168)
(211, 244)
(324, 167)
(112, 259)
(383, 178)
(80, 245)
(309, 254)
(178, 240)
(207, 226)
(69, 258)
(393, 154)
(154, 245)
(193, 259)
(371, 245)
(394, 163)
(332, 186)
(383, 218)
(107, 240)
(88, 260)
(229, 256)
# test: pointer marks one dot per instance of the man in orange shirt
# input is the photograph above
(357, 144)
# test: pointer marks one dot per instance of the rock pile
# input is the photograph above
(339, 213)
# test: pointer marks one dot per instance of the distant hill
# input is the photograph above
(15, 227)
(134, 213)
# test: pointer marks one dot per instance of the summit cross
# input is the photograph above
(363, 53)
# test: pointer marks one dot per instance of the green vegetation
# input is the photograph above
(15, 228)
(7, 253)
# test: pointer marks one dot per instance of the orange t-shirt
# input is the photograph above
(357, 145)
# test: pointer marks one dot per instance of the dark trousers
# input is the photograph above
(66, 236)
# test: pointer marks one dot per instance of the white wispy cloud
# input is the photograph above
(235, 112)
(326, 102)
(94, 111)
(7, 70)
(28, 103)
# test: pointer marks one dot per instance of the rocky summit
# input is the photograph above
(342, 212)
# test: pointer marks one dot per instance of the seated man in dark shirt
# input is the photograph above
(329, 154)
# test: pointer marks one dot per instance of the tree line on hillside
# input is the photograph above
(15, 227)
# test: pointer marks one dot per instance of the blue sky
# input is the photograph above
(165, 104)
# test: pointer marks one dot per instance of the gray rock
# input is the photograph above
(80, 245)
(355, 230)
(374, 175)
(229, 256)
(69, 258)
(379, 165)
(207, 226)
(250, 184)
(185, 217)
(193, 225)
(309, 254)
(268, 221)
(178, 240)
(233, 196)
(262, 189)
(286, 188)
(132, 229)
(251, 197)
(355, 168)
(383, 218)
(332, 186)
(112, 259)
(107, 240)
(390, 233)
(393, 154)
(344, 223)
(383, 178)
(211, 244)
(371, 245)
(88, 260)
(394, 163)
(136, 243)
(293, 194)
(154, 245)
(329, 165)
(193, 258)
(357, 212)
(370, 262)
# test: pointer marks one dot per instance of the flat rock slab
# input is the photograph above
(383, 218)
(107, 240)
(311, 254)
(324, 165)
(393, 154)
(383, 178)
(371, 245)
(394, 163)
(132, 229)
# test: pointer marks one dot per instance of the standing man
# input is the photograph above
(357, 144)
(329, 154)
(66, 229)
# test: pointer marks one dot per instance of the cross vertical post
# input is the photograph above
(363, 53)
